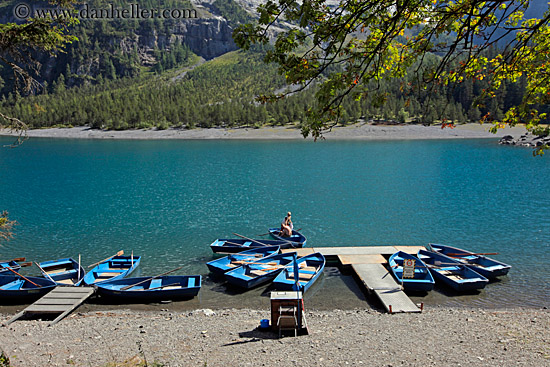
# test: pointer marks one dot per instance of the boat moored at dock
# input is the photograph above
(489, 268)
(309, 268)
(64, 272)
(19, 289)
(257, 272)
(421, 280)
(452, 273)
(224, 264)
(168, 287)
(114, 268)
(296, 240)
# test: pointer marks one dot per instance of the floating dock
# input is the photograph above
(367, 263)
(61, 301)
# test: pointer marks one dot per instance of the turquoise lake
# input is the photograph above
(167, 200)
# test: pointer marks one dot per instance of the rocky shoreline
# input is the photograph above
(525, 140)
(358, 131)
(229, 337)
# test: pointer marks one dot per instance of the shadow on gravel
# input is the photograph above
(252, 336)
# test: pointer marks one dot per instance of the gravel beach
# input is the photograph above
(359, 131)
(229, 337)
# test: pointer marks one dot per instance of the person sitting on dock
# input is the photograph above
(287, 226)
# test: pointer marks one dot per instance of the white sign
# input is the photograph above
(408, 268)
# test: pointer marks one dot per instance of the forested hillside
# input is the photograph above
(137, 74)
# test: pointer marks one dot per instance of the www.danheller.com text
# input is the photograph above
(132, 11)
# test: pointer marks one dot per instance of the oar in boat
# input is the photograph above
(22, 265)
(265, 234)
(17, 259)
(261, 243)
(233, 243)
(243, 262)
(149, 279)
(159, 287)
(78, 278)
(121, 252)
(438, 264)
(473, 253)
(44, 272)
(250, 239)
(24, 277)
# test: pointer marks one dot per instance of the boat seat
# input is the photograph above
(105, 275)
(258, 272)
(155, 283)
(16, 284)
(63, 272)
(191, 282)
(303, 276)
(247, 244)
(456, 277)
(309, 268)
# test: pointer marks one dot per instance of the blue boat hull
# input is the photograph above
(285, 281)
(452, 273)
(222, 265)
(252, 275)
(236, 245)
(489, 268)
(297, 239)
(14, 289)
(113, 269)
(64, 272)
(423, 280)
(6, 265)
(162, 288)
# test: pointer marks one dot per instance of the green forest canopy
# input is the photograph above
(350, 46)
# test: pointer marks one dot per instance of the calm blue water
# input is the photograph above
(168, 200)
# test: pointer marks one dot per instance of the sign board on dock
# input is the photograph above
(408, 268)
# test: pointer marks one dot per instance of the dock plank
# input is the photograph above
(361, 259)
(378, 280)
(413, 250)
(55, 301)
(61, 300)
(356, 250)
(299, 251)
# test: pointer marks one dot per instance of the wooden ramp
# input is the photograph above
(368, 263)
(379, 281)
(61, 300)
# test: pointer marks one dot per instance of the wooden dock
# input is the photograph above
(61, 301)
(367, 262)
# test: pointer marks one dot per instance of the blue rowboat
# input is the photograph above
(15, 289)
(483, 265)
(64, 272)
(260, 271)
(296, 240)
(452, 273)
(234, 245)
(224, 264)
(5, 265)
(115, 268)
(310, 268)
(168, 287)
(422, 280)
